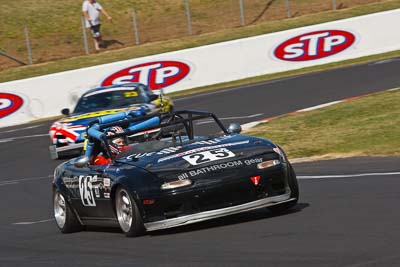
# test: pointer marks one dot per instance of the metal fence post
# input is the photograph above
(4, 54)
(135, 28)
(28, 45)
(85, 41)
(334, 4)
(188, 17)
(242, 18)
(288, 8)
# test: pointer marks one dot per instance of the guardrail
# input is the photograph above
(24, 100)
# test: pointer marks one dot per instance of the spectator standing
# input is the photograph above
(91, 10)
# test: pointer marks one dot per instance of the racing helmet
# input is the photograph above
(116, 144)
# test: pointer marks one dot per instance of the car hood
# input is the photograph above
(182, 158)
(86, 118)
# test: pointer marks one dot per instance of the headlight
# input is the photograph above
(279, 151)
(176, 184)
(268, 164)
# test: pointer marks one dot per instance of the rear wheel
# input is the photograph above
(128, 214)
(294, 193)
(64, 216)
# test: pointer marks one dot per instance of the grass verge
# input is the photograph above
(368, 126)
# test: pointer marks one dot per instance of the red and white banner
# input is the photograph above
(24, 100)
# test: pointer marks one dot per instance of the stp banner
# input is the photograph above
(24, 100)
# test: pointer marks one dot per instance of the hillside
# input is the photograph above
(56, 33)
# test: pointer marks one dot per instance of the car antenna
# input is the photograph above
(161, 99)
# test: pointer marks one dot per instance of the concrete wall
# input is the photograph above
(24, 100)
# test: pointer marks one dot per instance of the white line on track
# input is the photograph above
(347, 175)
(20, 129)
(384, 61)
(36, 222)
(11, 182)
(8, 183)
(10, 139)
(319, 106)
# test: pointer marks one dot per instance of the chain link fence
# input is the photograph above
(156, 21)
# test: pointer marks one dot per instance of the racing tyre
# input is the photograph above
(64, 216)
(294, 188)
(128, 214)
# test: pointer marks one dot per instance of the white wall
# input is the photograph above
(45, 96)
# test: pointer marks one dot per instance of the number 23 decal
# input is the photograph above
(207, 156)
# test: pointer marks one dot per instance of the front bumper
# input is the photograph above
(212, 214)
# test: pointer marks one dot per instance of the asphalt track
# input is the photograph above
(347, 214)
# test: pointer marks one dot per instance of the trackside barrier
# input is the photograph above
(40, 97)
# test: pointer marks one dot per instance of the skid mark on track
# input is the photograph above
(220, 91)
(231, 118)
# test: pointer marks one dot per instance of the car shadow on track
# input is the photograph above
(255, 215)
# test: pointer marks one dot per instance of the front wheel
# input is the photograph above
(294, 193)
(128, 214)
(64, 216)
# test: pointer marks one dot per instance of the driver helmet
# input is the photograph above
(116, 144)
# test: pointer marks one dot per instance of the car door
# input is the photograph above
(90, 190)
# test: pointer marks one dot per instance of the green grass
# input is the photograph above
(368, 126)
(165, 46)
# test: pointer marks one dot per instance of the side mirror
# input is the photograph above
(65, 111)
(234, 128)
(153, 97)
(81, 162)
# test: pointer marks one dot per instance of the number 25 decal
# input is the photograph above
(208, 156)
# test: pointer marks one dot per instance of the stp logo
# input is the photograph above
(156, 75)
(314, 45)
(9, 103)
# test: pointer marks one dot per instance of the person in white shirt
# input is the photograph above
(91, 10)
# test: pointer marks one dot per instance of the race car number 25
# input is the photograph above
(208, 156)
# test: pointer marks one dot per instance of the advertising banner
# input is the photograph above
(28, 99)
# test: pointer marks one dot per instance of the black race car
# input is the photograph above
(172, 176)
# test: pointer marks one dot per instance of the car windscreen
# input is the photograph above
(176, 131)
(108, 100)
(137, 148)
